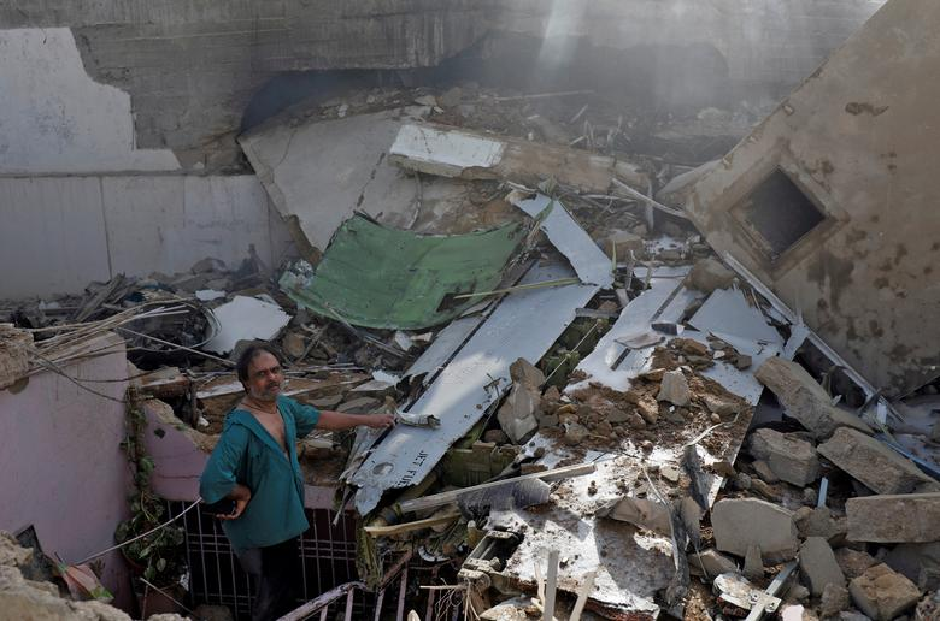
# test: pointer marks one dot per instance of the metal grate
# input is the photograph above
(328, 552)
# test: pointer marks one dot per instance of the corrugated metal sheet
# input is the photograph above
(524, 325)
(380, 277)
(589, 262)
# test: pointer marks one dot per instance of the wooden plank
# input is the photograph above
(349, 605)
(322, 601)
(401, 595)
(583, 592)
(551, 585)
(450, 497)
(407, 527)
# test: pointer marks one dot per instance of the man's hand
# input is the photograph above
(242, 496)
(379, 421)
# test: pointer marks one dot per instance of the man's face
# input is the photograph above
(265, 377)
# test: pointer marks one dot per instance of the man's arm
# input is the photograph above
(331, 420)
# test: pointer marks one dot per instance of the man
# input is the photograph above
(255, 465)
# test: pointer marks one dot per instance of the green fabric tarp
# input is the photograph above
(379, 277)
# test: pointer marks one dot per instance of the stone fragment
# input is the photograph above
(853, 615)
(709, 275)
(753, 563)
(574, 434)
(799, 592)
(835, 598)
(648, 410)
(675, 389)
(625, 242)
(642, 513)
(21, 599)
(712, 563)
(739, 523)
(818, 565)
(873, 463)
(854, 563)
(928, 610)
(520, 412)
(912, 518)
(495, 436)
(882, 594)
(764, 472)
(819, 523)
(790, 458)
(294, 345)
(803, 398)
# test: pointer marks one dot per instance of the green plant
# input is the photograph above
(160, 556)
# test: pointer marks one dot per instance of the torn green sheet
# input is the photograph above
(380, 277)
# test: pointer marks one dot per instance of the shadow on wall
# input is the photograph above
(679, 79)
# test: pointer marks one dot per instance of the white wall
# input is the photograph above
(55, 119)
(60, 233)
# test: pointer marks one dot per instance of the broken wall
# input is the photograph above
(830, 201)
(62, 468)
(191, 68)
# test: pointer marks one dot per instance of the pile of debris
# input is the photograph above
(623, 427)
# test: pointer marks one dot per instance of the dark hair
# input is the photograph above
(249, 353)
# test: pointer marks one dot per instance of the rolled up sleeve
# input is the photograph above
(220, 476)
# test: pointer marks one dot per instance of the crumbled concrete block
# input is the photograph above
(739, 523)
(21, 599)
(799, 593)
(675, 389)
(642, 513)
(803, 398)
(625, 242)
(928, 610)
(882, 594)
(835, 599)
(912, 518)
(854, 563)
(790, 458)
(762, 469)
(820, 523)
(792, 613)
(853, 615)
(818, 565)
(574, 434)
(873, 463)
(517, 415)
(709, 275)
(712, 562)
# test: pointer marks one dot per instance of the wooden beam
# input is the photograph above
(322, 601)
(583, 592)
(551, 585)
(401, 595)
(408, 527)
(450, 497)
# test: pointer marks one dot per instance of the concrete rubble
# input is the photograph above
(883, 594)
(622, 420)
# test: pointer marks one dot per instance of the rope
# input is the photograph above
(142, 535)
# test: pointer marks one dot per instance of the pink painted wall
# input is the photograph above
(61, 466)
(178, 463)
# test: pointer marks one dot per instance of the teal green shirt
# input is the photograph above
(247, 454)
